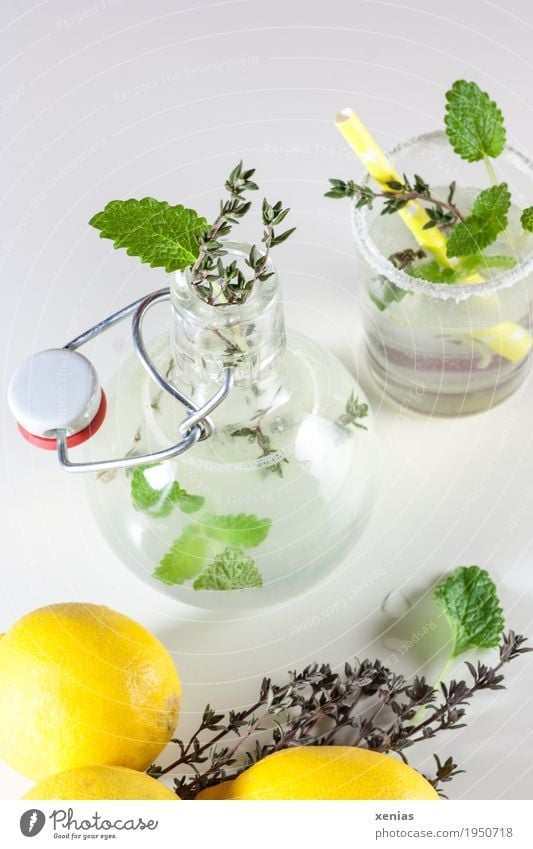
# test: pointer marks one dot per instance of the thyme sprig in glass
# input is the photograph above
(217, 283)
(176, 238)
(442, 213)
(365, 705)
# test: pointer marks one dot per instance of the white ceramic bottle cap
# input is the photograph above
(53, 390)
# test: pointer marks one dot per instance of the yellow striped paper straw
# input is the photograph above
(507, 339)
(378, 166)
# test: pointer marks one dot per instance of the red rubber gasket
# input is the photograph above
(74, 439)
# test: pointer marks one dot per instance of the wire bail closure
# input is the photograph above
(195, 427)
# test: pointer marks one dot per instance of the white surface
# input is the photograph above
(114, 99)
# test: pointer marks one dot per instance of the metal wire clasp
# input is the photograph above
(195, 427)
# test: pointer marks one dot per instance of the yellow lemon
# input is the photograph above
(325, 772)
(220, 791)
(82, 684)
(100, 782)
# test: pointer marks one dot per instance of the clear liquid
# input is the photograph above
(316, 487)
(433, 355)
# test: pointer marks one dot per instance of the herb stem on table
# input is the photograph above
(317, 707)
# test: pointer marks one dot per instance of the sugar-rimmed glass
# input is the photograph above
(447, 349)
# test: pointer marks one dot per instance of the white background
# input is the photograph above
(113, 99)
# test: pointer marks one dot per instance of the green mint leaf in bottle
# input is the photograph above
(189, 503)
(239, 529)
(185, 558)
(526, 219)
(474, 123)
(161, 235)
(159, 501)
(230, 570)
(481, 228)
(470, 602)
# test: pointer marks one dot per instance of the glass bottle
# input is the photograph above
(275, 498)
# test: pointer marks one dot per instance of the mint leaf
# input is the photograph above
(498, 261)
(237, 529)
(156, 502)
(231, 570)
(526, 219)
(188, 503)
(185, 558)
(160, 501)
(432, 272)
(468, 237)
(481, 228)
(474, 123)
(471, 605)
(161, 235)
(389, 295)
(493, 205)
(478, 262)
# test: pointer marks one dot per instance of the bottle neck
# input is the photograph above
(249, 338)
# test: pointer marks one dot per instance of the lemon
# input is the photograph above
(100, 782)
(82, 684)
(325, 772)
(507, 339)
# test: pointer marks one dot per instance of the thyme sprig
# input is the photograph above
(442, 213)
(366, 705)
(255, 433)
(354, 410)
(220, 284)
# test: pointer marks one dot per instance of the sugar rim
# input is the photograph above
(442, 291)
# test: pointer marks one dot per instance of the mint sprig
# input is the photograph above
(185, 558)
(239, 529)
(230, 570)
(161, 235)
(159, 502)
(175, 238)
(469, 599)
(470, 603)
(481, 228)
(474, 122)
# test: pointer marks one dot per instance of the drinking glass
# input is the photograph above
(447, 349)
